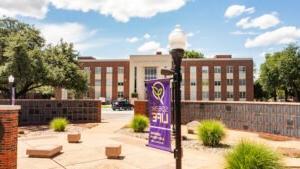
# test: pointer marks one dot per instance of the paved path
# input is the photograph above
(90, 154)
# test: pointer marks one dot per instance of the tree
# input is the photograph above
(290, 70)
(259, 93)
(280, 74)
(24, 55)
(192, 54)
(269, 74)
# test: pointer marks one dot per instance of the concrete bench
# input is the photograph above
(45, 151)
(113, 151)
(74, 137)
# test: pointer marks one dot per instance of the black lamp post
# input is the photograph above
(11, 81)
(177, 43)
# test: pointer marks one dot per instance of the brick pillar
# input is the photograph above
(8, 136)
(98, 112)
(211, 76)
(223, 83)
(236, 84)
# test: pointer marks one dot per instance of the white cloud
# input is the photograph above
(283, 35)
(151, 46)
(69, 32)
(237, 10)
(29, 8)
(147, 36)
(190, 34)
(132, 39)
(262, 22)
(242, 33)
(122, 10)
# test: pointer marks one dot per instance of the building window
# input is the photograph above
(120, 69)
(217, 69)
(205, 82)
(120, 94)
(193, 83)
(97, 89)
(242, 95)
(242, 82)
(135, 81)
(217, 83)
(229, 95)
(120, 84)
(205, 95)
(229, 82)
(109, 70)
(150, 73)
(217, 95)
(229, 69)
(88, 72)
(242, 69)
(98, 70)
(204, 69)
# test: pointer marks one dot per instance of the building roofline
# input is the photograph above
(218, 59)
(103, 60)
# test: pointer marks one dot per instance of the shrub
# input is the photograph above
(139, 123)
(249, 155)
(59, 124)
(211, 132)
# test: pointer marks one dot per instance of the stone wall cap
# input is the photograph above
(9, 107)
(236, 102)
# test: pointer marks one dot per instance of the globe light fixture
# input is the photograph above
(177, 44)
(177, 38)
(11, 79)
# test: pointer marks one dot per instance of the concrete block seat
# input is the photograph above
(74, 137)
(44, 151)
(113, 151)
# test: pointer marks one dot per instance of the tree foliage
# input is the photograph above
(259, 92)
(193, 54)
(24, 55)
(281, 72)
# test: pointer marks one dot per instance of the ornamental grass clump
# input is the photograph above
(211, 132)
(139, 123)
(249, 155)
(59, 124)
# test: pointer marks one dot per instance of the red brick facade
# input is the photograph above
(92, 64)
(220, 60)
(8, 136)
(223, 62)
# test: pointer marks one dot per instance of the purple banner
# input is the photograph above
(159, 107)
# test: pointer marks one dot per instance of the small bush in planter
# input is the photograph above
(139, 123)
(59, 124)
(249, 155)
(211, 132)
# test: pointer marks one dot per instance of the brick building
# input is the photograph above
(218, 78)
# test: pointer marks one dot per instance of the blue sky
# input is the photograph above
(116, 29)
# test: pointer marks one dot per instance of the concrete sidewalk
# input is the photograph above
(90, 154)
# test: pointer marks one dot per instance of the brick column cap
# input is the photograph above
(10, 108)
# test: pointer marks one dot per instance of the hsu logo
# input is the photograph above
(158, 91)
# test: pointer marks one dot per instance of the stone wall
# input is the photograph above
(276, 118)
(43, 111)
(8, 136)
